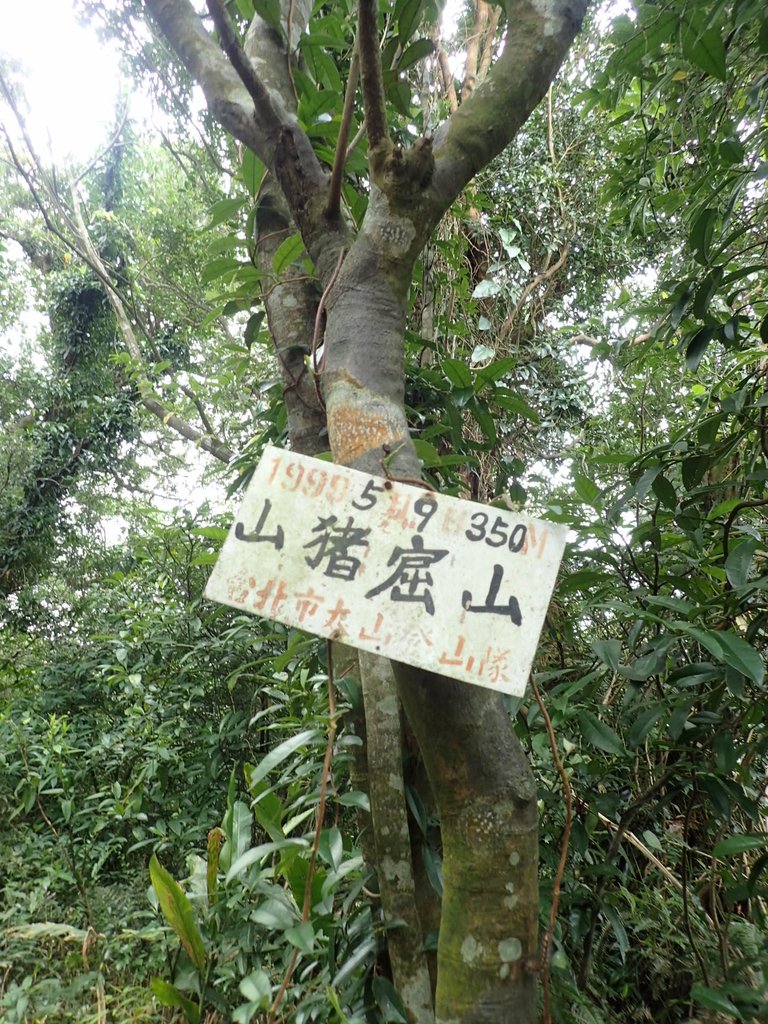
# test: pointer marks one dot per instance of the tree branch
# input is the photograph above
(538, 39)
(242, 107)
(241, 62)
(337, 175)
(212, 445)
(374, 103)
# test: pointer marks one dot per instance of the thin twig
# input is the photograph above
(334, 193)
(289, 49)
(317, 369)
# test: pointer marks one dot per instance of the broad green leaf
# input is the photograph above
(598, 734)
(218, 267)
(237, 828)
(609, 652)
(178, 912)
(697, 346)
(643, 724)
(417, 51)
(706, 50)
(302, 936)
(457, 372)
(618, 929)
(224, 210)
(253, 327)
(494, 371)
(513, 403)
(739, 561)
(711, 999)
(664, 491)
(355, 798)
(269, 10)
(252, 172)
(742, 656)
(257, 988)
(728, 649)
(287, 253)
(693, 470)
(169, 995)
(408, 15)
(586, 489)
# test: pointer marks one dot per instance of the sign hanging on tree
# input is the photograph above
(433, 581)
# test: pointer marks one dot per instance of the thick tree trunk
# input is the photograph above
(483, 787)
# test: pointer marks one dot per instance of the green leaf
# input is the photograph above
(693, 470)
(734, 845)
(224, 210)
(513, 403)
(218, 267)
(609, 652)
(643, 724)
(697, 346)
(169, 995)
(278, 754)
(586, 489)
(269, 10)
(700, 237)
(706, 50)
(457, 372)
(408, 15)
(664, 491)
(710, 999)
(253, 327)
(355, 798)
(742, 656)
(252, 172)
(728, 648)
(287, 253)
(417, 51)
(302, 936)
(259, 853)
(739, 561)
(388, 1001)
(598, 734)
(618, 930)
(257, 988)
(178, 912)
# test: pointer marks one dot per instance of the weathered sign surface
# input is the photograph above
(423, 578)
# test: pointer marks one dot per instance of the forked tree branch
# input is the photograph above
(374, 102)
(538, 38)
(240, 60)
(255, 124)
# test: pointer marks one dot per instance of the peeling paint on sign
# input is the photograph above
(423, 578)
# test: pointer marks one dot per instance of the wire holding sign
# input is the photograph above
(424, 578)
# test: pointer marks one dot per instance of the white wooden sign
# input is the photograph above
(423, 578)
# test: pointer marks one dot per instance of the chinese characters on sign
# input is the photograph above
(423, 578)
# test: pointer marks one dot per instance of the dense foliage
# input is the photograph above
(587, 341)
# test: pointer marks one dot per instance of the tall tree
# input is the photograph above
(271, 81)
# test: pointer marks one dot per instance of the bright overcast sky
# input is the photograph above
(71, 79)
